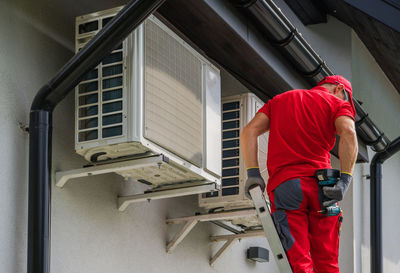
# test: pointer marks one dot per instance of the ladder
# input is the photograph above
(275, 244)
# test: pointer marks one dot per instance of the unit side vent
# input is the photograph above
(230, 150)
(237, 111)
(99, 97)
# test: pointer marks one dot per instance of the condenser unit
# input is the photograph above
(237, 111)
(152, 95)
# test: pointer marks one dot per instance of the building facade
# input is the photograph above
(88, 233)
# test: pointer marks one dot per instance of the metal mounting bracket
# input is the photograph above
(191, 221)
(163, 191)
(230, 239)
(125, 201)
(64, 176)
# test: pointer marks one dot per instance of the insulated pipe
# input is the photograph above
(376, 204)
(281, 33)
(40, 124)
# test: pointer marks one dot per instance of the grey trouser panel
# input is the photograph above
(287, 196)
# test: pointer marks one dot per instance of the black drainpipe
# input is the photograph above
(270, 20)
(40, 124)
(376, 204)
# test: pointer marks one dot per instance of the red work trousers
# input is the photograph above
(310, 239)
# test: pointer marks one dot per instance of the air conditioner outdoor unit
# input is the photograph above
(237, 111)
(152, 95)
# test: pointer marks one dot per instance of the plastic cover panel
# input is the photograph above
(213, 120)
(173, 95)
(262, 146)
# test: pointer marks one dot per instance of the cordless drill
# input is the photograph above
(328, 178)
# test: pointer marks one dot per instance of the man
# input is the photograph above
(302, 126)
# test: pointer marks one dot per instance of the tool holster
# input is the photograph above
(328, 178)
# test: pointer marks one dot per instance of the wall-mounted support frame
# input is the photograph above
(125, 201)
(230, 239)
(191, 221)
(64, 176)
(166, 191)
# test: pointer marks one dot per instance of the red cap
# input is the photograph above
(335, 79)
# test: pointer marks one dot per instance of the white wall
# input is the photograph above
(382, 102)
(91, 235)
(230, 86)
(28, 58)
(346, 234)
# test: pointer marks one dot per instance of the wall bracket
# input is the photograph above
(162, 191)
(125, 201)
(63, 177)
(190, 222)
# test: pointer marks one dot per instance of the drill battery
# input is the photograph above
(328, 178)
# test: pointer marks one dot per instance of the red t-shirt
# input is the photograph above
(302, 132)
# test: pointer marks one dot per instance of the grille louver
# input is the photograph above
(237, 112)
(230, 150)
(100, 95)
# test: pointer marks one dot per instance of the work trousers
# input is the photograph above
(310, 239)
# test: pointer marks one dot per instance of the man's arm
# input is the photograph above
(348, 146)
(248, 138)
(249, 144)
(348, 149)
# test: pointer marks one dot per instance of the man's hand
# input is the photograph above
(337, 192)
(254, 179)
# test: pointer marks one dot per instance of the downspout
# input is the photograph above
(376, 204)
(282, 34)
(40, 125)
